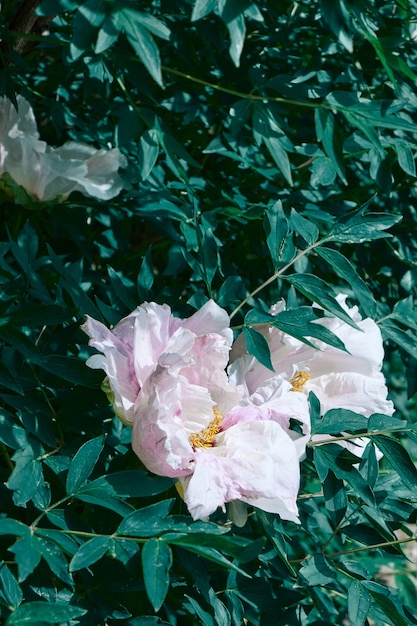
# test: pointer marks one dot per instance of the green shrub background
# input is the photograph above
(264, 139)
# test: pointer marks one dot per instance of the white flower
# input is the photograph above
(47, 173)
(350, 379)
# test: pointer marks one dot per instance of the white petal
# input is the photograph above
(117, 362)
(210, 319)
(349, 390)
(251, 461)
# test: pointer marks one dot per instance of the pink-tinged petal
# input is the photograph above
(153, 325)
(210, 354)
(250, 461)
(167, 412)
(211, 318)
(273, 401)
(349, 390)
(117, 362)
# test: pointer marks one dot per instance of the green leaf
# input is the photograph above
(83, 464)
(156, 563)
(335, 497)
(205, 619)
(336, 421)
(88, 18)
(210, 253)
(319, 292)
(10, 587)
(107, 35)
(146, 276)
(277, 231)
(101, 497)
(90, 552)
(20, 342)
(26, 479)
(69, 279)
(217, 557)
(133, 484)
(298, 323)
(328, 134)
(257, 346)
(359, 602)
(38, 315)
(44, 612)
(308, 230)
(276, 149)
(333, 457)
(54, 557)
(122, 288)
(317, 570)
(148, 521)
(70, 369)
(388, 603)
(202, 8)
(360, 228)
(346, 270)
(232, 14)
(378, 421)
(406, 339)
(148, 152)
(13, 527)
(399, 458)
(28, 553)
(233, 546)
(335, 15)
(142, 42)
(405, 158)
(323, 172)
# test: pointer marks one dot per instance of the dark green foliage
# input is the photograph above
(271, 154)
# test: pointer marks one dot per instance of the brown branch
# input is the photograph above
(26, 22)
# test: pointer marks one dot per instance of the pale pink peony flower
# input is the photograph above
(192, 421)
(47, 173)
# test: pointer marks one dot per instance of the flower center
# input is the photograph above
(299, 380)
(205, 438)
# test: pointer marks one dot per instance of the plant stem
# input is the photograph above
(374, 546)
(243, 95)
(277, 274)
(312, 444)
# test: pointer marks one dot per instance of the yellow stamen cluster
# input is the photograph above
(299, 380)
(205, 438)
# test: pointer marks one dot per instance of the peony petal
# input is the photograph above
(353, 391)
(251, 461)
(100, 178)
(168, 410)
(211, 318)
(117, 362)
(48, 173)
